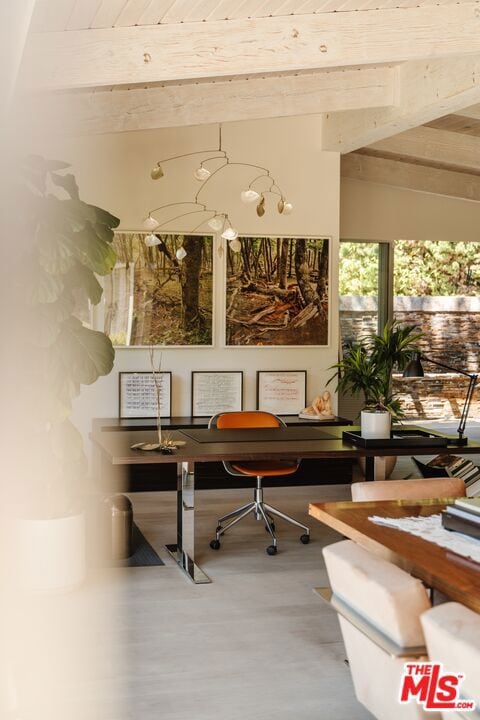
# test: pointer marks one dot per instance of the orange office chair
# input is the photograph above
(258, 469)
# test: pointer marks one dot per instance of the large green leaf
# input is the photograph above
(67, 182)
(83, 278)
(45, 288)
(41, 164)
(54, 255)
(104, 232)
(64, 216)
(103, 217)
(94, 252)
(87, 353)
(49, 318)
(35, 168)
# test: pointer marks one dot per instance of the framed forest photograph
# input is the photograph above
(154, 298)
(277, 292)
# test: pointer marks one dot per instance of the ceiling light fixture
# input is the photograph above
(150, 223)
(151, 240)
(230, 233)
(202, 173)
(218, 221)
(156, 172)
(249, 196)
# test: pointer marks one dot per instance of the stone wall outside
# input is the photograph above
(451, 326)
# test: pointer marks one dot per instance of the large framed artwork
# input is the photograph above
(162, 293)
(277, 292)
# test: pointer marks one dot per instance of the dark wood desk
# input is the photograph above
(212, 475)
(454, 575)
(114, 448)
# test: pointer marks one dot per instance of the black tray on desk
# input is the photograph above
(398, 438)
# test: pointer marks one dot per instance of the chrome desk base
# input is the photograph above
(183, 552)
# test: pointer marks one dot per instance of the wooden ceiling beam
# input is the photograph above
(430, 146)
(412, 177)
(199, 103)
(426, 90)
(472, 112)
(189, 51)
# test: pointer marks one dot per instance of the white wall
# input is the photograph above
(380, 212)
(113, 171)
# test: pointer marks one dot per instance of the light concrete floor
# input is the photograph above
(255, 644)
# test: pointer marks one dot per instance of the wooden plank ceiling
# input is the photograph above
(395, 83)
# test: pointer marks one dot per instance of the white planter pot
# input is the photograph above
(375, 423)
(50, 555)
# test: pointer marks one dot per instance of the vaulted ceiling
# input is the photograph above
(396, 82)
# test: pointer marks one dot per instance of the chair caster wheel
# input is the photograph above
(272, 526)
(305, 539)
(271, 550)
(218, 528)
(215, 544)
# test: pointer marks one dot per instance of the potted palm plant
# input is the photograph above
(367, 368)
(67, 244)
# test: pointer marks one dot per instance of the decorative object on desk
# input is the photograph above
(281, 392)
(216, 391)
(157, 294)
(66, 244)
(277, 293)
(415, 369)
(367, 368)
(167, 446)
(453, 466)
(260, 184)
(319, 409)
(138, 394)
(399, 437)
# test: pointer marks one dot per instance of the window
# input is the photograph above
(364, 278)
(437, 287)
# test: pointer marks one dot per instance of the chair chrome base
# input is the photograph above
(262, 511)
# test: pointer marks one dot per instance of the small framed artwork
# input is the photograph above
(138, 394)
(282, 392)
(216, 391)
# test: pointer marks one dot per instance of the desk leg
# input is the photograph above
(184, 551)
(369, 468)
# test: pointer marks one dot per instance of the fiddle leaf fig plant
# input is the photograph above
(368, 365)
(70, 243)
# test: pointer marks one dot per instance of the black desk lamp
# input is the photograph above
(415, 369)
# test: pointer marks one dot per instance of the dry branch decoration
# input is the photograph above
(158, 380)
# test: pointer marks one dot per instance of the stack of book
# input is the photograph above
(469, 472)
(456, 466)
(463, 516)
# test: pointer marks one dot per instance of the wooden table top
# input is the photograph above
(456, 576)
